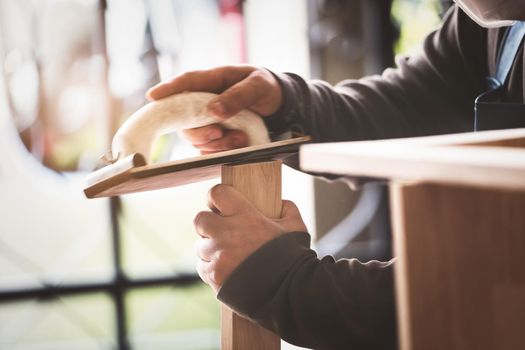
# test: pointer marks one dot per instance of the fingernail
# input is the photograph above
(217, 109)
(150, 94)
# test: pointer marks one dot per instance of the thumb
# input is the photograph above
(291, 219)
(226, 200)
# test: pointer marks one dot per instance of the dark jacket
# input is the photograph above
(324, 304)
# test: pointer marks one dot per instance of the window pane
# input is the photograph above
(157, 229)
(416, 18)
(55, 79)
(167, 318)
(79, 322)
(48, 230)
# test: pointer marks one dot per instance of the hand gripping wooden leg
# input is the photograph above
(261, 184)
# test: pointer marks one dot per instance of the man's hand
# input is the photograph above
(233, 230)
(239, 87)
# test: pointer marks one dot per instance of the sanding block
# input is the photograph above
(128, 169)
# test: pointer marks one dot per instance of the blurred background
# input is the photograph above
(119, 273)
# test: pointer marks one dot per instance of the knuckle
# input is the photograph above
(199, 219)
(258, 78)
(218, 191)
(289, 204)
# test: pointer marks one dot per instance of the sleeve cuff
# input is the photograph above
(283, 120)
(251, 286)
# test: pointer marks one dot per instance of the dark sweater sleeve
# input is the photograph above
(311, 302)
(429, 93)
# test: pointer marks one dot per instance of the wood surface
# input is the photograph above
(260, 182)
(458, 205)
(485, 159)
(460, 273)
(181, 172)
(506, 137)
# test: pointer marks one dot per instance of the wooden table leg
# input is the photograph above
(261, 184)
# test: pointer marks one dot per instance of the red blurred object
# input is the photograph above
(234, 33)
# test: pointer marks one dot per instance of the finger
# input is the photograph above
(291, 218)
(232, 139)
(242, 95)
(208, 224)
(227, 200)
(203, 135)
(209, 80)
(206, 248)
(199, 80)
(289, 209)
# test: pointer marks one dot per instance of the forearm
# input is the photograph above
(314, 303)
(430, 93)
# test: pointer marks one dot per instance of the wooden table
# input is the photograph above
(458, 213)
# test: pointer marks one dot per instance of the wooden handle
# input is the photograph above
(261, 184)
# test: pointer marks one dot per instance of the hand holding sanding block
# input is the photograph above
(128, 170)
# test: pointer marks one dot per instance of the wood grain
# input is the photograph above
(460, 273)
(458, 206)
(181, 172)
(260, 182)
(474, 159)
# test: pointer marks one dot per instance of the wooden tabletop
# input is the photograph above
(488, 159)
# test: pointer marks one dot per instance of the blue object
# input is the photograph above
(490, 111)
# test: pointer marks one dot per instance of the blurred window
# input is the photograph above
(416, 18)
(99, 274)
